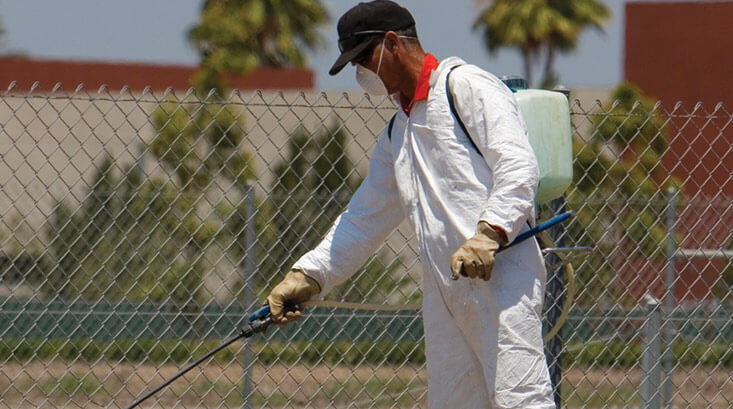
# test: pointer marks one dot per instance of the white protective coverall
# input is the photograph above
(483, 338)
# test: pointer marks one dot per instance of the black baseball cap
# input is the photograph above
(364, 22)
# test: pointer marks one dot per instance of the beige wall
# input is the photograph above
(51, 147)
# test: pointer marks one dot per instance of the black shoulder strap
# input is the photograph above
(452, 104)
(391, 124)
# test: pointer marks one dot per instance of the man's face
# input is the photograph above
(369, 59)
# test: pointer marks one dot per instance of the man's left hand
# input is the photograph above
(475, 258)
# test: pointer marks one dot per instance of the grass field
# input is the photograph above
(59, 384)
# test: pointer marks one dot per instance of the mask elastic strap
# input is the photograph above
(381, 53)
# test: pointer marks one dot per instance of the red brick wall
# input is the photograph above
(135, 75)
(683, 52)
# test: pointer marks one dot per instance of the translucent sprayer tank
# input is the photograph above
(547, 116)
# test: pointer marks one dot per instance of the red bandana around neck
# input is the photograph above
(423, 83)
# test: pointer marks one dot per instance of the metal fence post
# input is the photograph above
(555, 298)
(651, 370)
(248, 292)
(669, 298)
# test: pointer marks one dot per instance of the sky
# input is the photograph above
(155, 31)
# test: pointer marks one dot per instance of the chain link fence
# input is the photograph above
(139, 229)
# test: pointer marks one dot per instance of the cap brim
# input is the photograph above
(347, 56)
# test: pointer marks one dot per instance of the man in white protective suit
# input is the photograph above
(467, 185)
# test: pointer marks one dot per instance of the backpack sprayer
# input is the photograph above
(260, 320)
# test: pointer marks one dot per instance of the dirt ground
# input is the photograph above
(102, 385)
(54, 385)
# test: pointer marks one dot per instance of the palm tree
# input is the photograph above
(2, 33)
(235, 36)
(523, 24)
(577, 15)
(531, 25)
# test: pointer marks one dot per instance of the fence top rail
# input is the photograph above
(319, 99)
(679, 109)
(287, 99)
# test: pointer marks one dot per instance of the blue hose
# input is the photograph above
(540, 227)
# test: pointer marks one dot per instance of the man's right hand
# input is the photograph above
(295, 288)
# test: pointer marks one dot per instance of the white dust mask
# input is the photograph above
(369, 81)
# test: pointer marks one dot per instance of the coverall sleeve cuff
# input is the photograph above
(511, 229)
(315, 275)
(320, 287)
(501, 232)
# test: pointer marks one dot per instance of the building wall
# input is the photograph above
(51, 145)
(681, 53)
(136, 76)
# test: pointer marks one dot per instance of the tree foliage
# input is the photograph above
(130, 238)
(23, 257)
(145, 238)
(623, 156)
(619, 187)
(200, 142)
(577, 16)
(142, 238)
(312, 187)
(236, 36)
(533, 26)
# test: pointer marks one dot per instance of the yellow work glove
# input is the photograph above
(475, 258)
(295, 288)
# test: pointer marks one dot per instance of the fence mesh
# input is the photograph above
(139, 229)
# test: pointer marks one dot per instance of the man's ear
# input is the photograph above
(391, 41)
